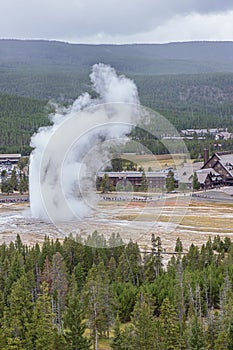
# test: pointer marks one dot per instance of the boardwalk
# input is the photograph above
(14, 198)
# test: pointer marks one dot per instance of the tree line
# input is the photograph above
(20, 117)
(187, 101)
(16, 181)
(72, 295)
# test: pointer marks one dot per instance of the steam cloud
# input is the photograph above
(68, 154)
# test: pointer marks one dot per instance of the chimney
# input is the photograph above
(206, 155)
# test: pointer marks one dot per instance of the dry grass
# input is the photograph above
(156, 162)
(135, 220)
(194, 224)
(104, 344)
(205, 222)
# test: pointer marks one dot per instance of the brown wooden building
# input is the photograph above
(220, 164)
(155, 179)
(9, 158)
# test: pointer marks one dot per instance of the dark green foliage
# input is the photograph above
(170, 181)
(196, 184)
(169, 327)
(143, 331)
(196, 338)
(17, 316)
(47, 293)
(129, 268)
(20, 117)
(116, 343)
(99, 304)
(179, 246)
(6, 187)
(74, 327)
(144, 182)
(59, 287)
(154, 262)
(23, 184)
(42, 334)
(181, 81)
(125, 296)
(105, 184)
(13, 182)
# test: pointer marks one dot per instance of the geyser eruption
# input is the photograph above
(68, 154)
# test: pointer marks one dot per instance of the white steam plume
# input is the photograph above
(68, 154)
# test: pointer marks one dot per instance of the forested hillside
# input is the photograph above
(172, 58)
(73, 296)
(191, 84)
(20, 117)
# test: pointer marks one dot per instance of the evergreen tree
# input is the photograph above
(196, 338)
(190, 300)
(23, 164)
(13, 344)
(153, 263)
(46, 275)
(130, 265)
(170, 181)
(112, 269)
(144, 325)
(15, 268)
(117, 164)
(17, 316)
(42, 334)
(179, 299)
(212, 328)
(23, 184)
(105, 184)
(79, 275)
(3, 175)
(59, 287)
(13, 182)
(74, 327)
(99, 303)
(169, 326)
(116, 343)
(224, 338)
(196, 183)
(124, 295)
(157, 253)
(179, 246)
(6, 187)
(4, 182)
(144, 182)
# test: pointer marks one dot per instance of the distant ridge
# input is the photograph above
(170, 58)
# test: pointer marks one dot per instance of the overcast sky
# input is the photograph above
(117, 21)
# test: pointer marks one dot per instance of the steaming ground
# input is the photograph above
(82, 140)
(68, 154)
(202, 219)
(63, 167)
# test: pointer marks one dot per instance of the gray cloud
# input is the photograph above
(77, 19)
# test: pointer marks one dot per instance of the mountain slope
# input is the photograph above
(173, 58)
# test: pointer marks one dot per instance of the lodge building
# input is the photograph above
(9, 159)
(217, 170)
(155, 179)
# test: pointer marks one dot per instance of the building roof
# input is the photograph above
(10, 156)
(202, 131)
(226, 160)
(185, 173)
(223, 158)
(128, 174)
(203, 173)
